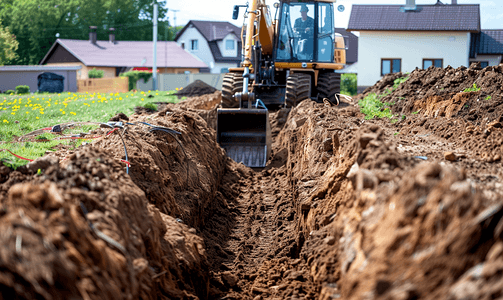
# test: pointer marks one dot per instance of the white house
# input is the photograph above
(217, 44)
(399, 38)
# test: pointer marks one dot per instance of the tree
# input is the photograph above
(8, 45)
(37, 24)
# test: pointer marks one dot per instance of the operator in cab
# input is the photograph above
(305, 24)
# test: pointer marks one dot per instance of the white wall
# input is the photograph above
(411, 47)
(203, 52)
(493, 60)
(218, 67)
(224, 51)
(169, 82)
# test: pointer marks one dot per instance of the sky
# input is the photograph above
(221, 10)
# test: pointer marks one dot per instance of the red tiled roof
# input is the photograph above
(128, 54)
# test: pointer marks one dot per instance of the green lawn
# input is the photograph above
(22, 114)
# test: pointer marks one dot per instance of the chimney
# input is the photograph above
(92, 34)
(410, 4)
(111, 36)
(454, 2)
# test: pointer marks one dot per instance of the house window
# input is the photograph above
(390, 65)
(193, 45)
(229, 45)
(483, 64)
(428, 62)
(183, 45)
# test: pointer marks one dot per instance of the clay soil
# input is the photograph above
(346, 208)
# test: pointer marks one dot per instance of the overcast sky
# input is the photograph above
(221, 10)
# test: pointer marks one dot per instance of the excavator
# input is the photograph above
(285, 61)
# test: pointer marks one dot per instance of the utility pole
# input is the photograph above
(154, 69)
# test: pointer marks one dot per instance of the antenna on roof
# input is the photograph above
(174, 17)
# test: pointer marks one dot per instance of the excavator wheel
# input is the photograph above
(232, 84)
(298, 88)
(228, 90)
(329, 84)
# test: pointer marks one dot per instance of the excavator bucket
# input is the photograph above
(245, 134)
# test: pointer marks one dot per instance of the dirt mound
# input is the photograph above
(441, 91)
(87, 231)
(197, 88)
(377, 223)
(434, 100)
(87, 222)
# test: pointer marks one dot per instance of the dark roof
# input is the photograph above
(438, 17)
(126, 54)
(352, 45)
(217, 55)
(38, 68)
(212, 30)
(487, 42)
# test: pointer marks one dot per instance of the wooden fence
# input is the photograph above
(103, 85)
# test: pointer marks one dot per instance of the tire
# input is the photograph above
(329, 84)
(298, 88)
(232, 84)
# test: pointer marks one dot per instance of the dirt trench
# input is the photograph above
(347, 208)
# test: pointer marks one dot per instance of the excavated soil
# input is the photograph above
(346, 208)
(197, 88)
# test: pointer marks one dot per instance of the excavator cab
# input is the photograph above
(305, 32)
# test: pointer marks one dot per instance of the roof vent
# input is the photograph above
(410, 5)
(92, 34)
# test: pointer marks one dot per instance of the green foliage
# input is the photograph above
(8, 92)
(415, 112)
(47, 110)
(488, 98)
(348, 84)
(96, 73)
(474, 88)
(134, 76)
(372, 106)
(22, 89)
(150, 106)
(37, 24)
(8, 45)
(396, 133)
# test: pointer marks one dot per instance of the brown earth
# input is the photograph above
(346, 208)
(197, 88)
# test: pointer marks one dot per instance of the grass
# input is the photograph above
(372, 106)
(474, 88)
(22, 114)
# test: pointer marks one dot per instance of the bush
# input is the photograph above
(348, 84)
(8, 92)
(22, 89)
(96, 73)
(134, 76)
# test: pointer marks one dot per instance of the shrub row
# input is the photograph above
(20, 90)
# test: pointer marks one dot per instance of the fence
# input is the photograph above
(103, 85)
(168, 82)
